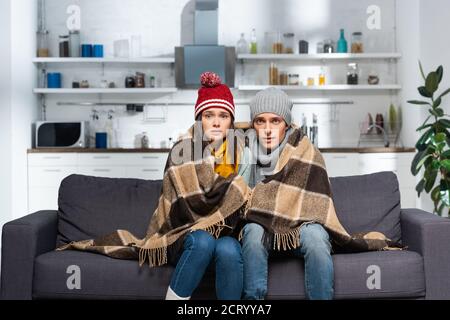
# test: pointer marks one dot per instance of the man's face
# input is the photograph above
(215, 123)
(271, 129)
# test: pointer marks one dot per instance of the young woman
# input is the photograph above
(215, 110)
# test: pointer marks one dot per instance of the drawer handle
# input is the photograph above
(52, 170)
(339, 157)
(150, 170)
(102, 170)
(52, 158)
(395, 158)
(102, 157)
(150, 157)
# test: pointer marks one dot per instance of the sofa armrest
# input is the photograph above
(429, 235)
(22, 241)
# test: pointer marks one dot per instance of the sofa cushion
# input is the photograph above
(90, 207)
(401, 276)
(368, 203)
(102, 277)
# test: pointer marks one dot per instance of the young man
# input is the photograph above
(271, 118)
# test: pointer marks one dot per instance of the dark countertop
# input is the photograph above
(120, 150)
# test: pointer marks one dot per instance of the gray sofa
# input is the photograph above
(90, 207)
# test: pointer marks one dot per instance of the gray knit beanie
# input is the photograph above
(272, 100)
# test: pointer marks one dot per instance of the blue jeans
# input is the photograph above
(200, 249)
(315, 248)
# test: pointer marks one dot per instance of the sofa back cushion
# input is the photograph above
(368, 203)
(90, 207)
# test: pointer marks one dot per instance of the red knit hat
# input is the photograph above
(213, 94)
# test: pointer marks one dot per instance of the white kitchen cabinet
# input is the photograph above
(341, 164)
(47, 170)
(400, 164)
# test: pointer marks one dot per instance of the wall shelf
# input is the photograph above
(331, 87)
(321, 56)
(105, 60)
(106, 91)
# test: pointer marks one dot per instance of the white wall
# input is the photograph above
(24, 104)
(166, 24)
(5, 113)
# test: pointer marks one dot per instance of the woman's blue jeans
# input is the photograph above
(315, 248)
(200, 250)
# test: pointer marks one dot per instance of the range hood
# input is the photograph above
(205, 54)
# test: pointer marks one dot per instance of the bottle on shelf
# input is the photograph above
(42, 42)
(314, 132)
(322, 78)
(342, 46)
(145, 144)
(304, 124)
(253, 43)
(273, 74)
(242, 45)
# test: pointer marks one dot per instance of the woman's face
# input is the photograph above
(215, 123)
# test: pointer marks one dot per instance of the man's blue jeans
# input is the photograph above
(200, 249)
(315, 248)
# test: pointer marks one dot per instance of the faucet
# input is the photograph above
(385, 136)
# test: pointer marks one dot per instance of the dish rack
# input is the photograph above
(387, 135)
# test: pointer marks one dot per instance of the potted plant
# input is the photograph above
(433, 147)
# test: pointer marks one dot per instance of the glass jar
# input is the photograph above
(283, 81)
(357, 42)
(303, 47)
(294, 79)
(352, 74)
(288, 43)
(273, 74)
(328, 46)
(75, 43)
(140, 80)
(320, 47)
(277, 42)
(64, 46)
(42, 44)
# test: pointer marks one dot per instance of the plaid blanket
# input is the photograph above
(299, 192)
(193, 197)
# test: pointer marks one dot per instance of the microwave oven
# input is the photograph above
(56, 134)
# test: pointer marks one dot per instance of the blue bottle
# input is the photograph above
(342, 46)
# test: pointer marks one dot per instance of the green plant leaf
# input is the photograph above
(444, 123)
(440, 73)
(422, 161)
(444, 93)
(446, 164)
(424, 127)
(424, 92)
(445, 155)
(418, 102)
(444, 192)
(421, 70)
(435, 193)
(431, 179)
(440, 137)
(423, 141)
(437, 112)
(432, 83)
(417, 158)
(420, 186)
(437, 102)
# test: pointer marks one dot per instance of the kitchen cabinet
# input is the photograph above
(343, 164)
(46, 171)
